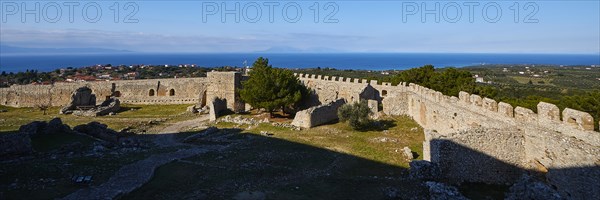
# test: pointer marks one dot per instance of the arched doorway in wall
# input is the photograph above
(151, 92)
(172, 92)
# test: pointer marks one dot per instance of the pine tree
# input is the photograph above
(271, 88)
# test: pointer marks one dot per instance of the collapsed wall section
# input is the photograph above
(318, 115)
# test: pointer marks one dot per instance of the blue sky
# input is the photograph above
(357, 26)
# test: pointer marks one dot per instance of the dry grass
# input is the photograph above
(131, 115)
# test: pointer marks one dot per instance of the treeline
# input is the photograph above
(115, 72)
(27, 77)
(451, 81)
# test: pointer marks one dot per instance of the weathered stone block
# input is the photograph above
(490, 104)
(216, 106)
(464, 97)
(318, 115)
(453, 99)
(373, 82)
(548, 112)
(476, 100)
(524, 114)
(33, 128)
(578, 119)
(505, 109)
(98, 130)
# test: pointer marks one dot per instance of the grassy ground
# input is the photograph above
(131, 116)
(326, 162)
(46, 174)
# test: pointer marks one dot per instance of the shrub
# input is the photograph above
(356, 114)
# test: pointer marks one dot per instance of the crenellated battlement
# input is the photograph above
(550, 115)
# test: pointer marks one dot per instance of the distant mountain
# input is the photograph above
(5, 49)
(286, 49)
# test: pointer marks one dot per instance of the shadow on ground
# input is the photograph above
(278, 169)
(253, 165)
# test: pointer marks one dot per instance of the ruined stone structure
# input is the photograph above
(318, 115)
(470, 138)
(222, 93)
(83, 103)
(475, 139)
(81, 97)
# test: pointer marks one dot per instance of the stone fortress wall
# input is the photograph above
(475, 139)
(472, 139)
(154, 91)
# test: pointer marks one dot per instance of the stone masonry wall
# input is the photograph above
(224, 85)
(566, 149)
(154, 91)
(318, 115)
(463, 157)
(330, 89)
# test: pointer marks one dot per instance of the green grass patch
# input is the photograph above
(130, 116)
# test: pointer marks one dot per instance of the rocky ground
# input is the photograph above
(42, 159)
(237, 157)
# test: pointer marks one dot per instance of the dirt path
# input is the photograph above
(134, 175)
(166, 137)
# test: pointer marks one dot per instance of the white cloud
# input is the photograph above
(151, 42)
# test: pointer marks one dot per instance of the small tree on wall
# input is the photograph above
(271, 88)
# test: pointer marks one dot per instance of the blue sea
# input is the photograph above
(364, 61)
